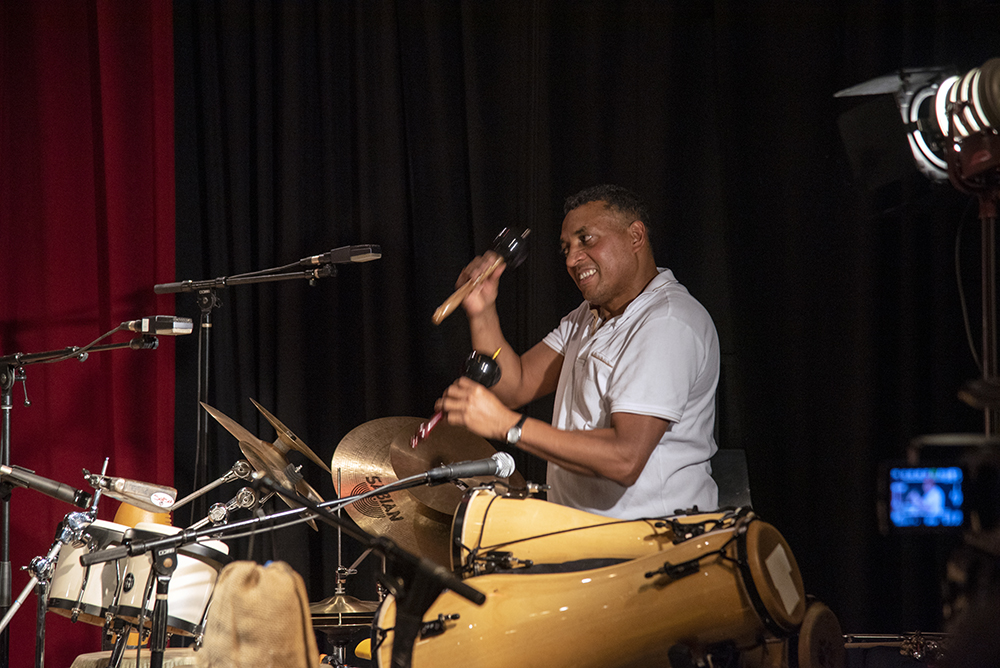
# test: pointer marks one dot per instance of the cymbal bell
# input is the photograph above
(267, 459)
(287, 440)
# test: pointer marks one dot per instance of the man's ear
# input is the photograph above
(637, 233)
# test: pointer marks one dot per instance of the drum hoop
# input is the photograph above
(458, 526)
(743, 560)
(198, 551)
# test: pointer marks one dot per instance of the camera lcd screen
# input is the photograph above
(925, 497)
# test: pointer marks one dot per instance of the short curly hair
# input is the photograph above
(621, 199)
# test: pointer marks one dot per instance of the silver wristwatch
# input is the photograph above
(514, 433)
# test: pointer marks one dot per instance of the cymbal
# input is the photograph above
(363, 462)
(287, 439)
(446, 444)
(341, 615)
(343, 604)
(264, 457)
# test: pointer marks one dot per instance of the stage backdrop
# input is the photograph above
(428, 126)
(86, 229)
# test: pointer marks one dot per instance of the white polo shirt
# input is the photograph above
(660, 358)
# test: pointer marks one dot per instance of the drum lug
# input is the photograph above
(503, 561)
(676, 571)
(436, 627)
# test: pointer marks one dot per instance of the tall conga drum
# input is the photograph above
(731, 586)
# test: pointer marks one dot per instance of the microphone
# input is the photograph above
(345, 255)
(160, 324)
(501, 465)
(154, 498)
(24, 478)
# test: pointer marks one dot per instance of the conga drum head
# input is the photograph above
(775, 580)
(821, 640)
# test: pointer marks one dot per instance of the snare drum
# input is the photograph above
(492, 533)
(85, 593)
(191, 584)
(731, 585)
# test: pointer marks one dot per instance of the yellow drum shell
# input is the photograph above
(604, 617)
(548, 533)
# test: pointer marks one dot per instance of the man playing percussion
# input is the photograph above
(634, 368)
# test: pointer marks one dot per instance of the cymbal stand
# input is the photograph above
(240, 470)
(337, 657)
(415, 582)
(208, 300)
(219, 512)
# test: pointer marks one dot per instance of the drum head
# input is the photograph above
(821, 640)
(775, 576)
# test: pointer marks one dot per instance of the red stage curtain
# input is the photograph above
(86, 230)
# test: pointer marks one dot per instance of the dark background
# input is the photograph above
(426, 127)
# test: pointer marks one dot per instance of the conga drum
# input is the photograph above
(733, 585)
(492, 533)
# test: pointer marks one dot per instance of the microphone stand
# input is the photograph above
(415, 582)
(12, 372)
(208, 300)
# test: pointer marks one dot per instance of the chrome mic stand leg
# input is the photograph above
(42, 596)
(118, 651)
(41, 569)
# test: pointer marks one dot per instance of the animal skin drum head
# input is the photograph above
(775, 575)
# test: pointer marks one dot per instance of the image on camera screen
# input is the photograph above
(927, 497)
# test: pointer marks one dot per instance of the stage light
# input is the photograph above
(952, 121)
(952, 124)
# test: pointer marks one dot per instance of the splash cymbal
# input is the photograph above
(445, 444)
(264, 457)
(287, 439)
(363, 463)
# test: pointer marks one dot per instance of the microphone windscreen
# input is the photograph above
(505, 464)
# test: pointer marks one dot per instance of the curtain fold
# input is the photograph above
(86, 230)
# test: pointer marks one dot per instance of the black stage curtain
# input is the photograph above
(428, 126)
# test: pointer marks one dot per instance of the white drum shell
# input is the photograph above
(191, 583)
(102, 580)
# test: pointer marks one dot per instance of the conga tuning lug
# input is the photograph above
(436, 627)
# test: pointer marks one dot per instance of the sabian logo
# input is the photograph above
(378, 506)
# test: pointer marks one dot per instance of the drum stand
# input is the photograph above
(71, 530)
